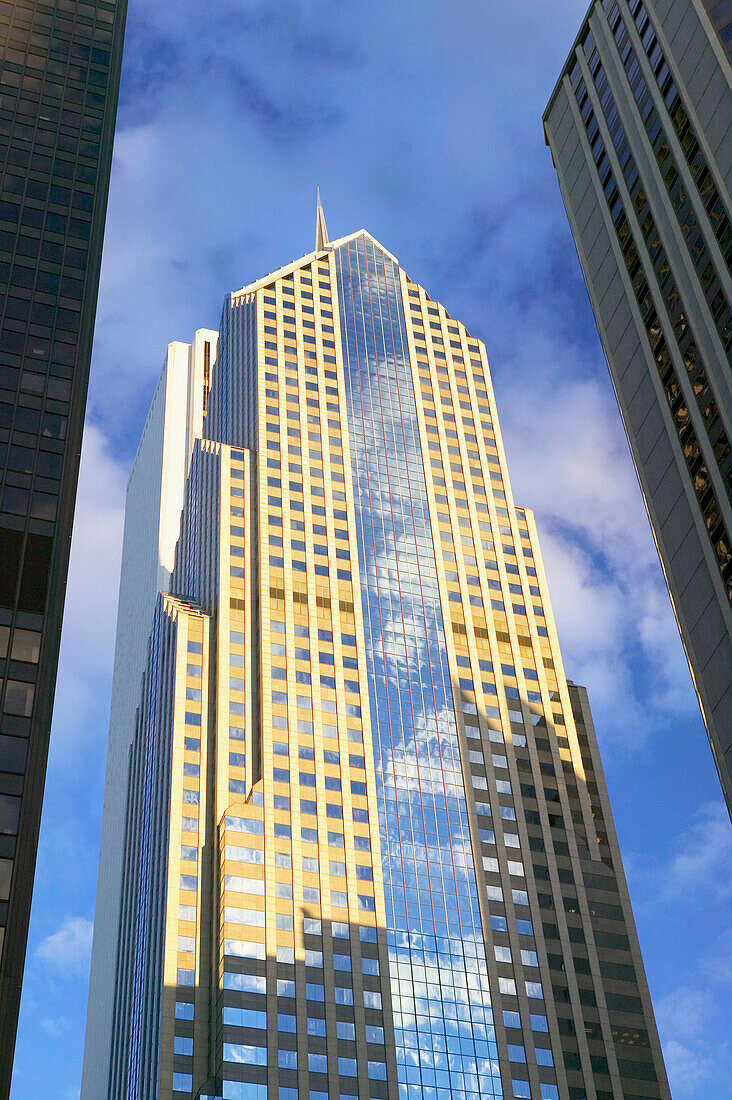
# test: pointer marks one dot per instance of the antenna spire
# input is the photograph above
(321, 232)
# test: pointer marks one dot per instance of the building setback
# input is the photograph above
(59, 79)
(367, 846)
(640, 129)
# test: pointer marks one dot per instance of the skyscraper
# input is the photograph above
(59, 79)
(361, 846)
(640, 129)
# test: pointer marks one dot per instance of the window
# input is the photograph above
(9, 814)
(26, 646)
(245, 1017)
(12, 754)
(19, 698)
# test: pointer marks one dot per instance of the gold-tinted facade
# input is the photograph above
(384, 827)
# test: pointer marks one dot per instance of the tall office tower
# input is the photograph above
(640, 129)
(368, 850)
(59, 77)
(152, 525)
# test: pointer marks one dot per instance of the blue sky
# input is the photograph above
(422, 123)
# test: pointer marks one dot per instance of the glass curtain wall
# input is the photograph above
(444, 1036)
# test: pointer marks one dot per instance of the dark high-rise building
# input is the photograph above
(640, 129)
(357, 842)
(59, 79)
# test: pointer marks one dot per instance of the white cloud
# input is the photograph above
(684, 1012)
(703, 855)
(693, 874)
(53, 1026)
(69, 947)
(569, 462)
(87, 643)
(689, 1067)
(694, 1062)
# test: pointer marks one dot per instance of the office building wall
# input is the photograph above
(640, 129)
(59, 78)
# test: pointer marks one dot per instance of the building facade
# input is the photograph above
(720, 12)
(640, 129)
(59, 79)
(153, 508)
(368, 850)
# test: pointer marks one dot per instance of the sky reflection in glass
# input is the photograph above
(444, 1036)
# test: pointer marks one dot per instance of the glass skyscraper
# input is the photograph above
(357, 841)
(59, 78)
(640, 131)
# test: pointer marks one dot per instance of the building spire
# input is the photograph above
(321, 232)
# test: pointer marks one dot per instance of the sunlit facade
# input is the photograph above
(368, 850)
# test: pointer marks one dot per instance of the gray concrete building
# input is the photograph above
(640, 130)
